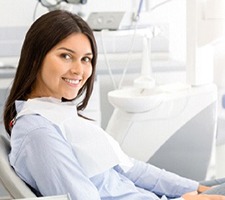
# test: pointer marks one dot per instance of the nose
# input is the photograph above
(77, 68)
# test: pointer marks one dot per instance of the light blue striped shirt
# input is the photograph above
(46, 161)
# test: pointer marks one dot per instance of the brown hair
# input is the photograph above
(43, 35)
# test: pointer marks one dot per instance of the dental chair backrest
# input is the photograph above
(9, 179)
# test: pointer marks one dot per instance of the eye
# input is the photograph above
(87, 59)
(66, 56)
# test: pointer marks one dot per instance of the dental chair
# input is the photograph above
(172, 128)
(9, 179)
(14, 186)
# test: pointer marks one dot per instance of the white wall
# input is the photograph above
(18, 13)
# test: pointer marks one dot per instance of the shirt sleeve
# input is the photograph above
(159, 181)
(47, 162)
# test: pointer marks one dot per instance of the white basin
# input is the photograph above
(135, 99)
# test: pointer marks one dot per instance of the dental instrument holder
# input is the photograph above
(145, 81)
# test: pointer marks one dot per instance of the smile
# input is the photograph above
(72, 81)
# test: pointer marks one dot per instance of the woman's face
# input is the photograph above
(65, 69)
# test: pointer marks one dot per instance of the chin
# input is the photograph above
(68, 99)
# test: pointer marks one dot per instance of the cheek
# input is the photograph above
(52, 69)
(49, 75)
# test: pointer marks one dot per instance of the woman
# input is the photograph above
(54, 149)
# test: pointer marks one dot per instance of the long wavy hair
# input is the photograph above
(43, 35)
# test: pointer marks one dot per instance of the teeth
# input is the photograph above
(72, 81)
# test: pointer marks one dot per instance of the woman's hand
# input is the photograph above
(202, 188)
(196, 196)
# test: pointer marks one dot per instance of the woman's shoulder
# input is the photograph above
(32, 120)
(31, 123)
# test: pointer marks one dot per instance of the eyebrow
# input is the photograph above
(70, 50)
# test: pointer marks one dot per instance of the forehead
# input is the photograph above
(75, 41)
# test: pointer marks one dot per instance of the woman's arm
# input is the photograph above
(159, 181)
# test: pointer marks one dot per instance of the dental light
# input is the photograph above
(54, 4)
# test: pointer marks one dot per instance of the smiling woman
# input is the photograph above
(39, 42)
(53, 149)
